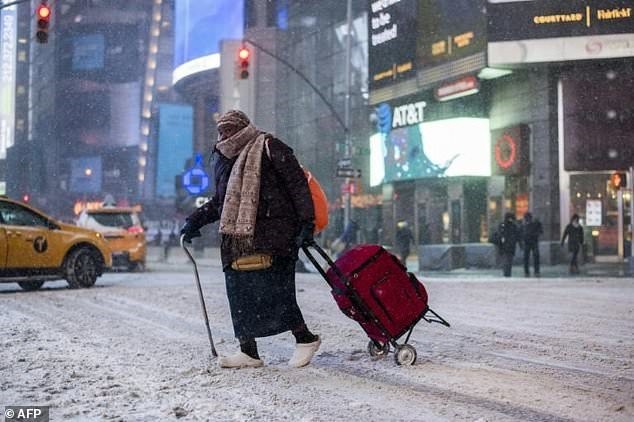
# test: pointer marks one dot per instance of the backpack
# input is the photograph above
(320, 202)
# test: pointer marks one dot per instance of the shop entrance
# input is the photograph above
(605, 214)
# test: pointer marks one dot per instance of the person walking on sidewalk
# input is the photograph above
(506, 239)
(531, 230)
(574, 233)
(404, 238)
(347, 239)
(266, 214)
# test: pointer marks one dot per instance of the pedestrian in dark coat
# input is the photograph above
(574, 233)
(507, 237)
(404, 238)
(265, 209)
(531, 230)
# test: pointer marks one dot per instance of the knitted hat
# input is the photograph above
(234, 118)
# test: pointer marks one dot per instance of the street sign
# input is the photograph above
(344, 163)
(351, 187)
(348, 172)
(196, 180)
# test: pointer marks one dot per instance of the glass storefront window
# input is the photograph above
(602, 233)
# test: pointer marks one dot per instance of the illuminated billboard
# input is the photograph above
(97, 53)
(8, 43)
(450, 30)
(199, 27)
(559, 30)
(175, 134)
(407, 36)
(392, 41)
(443, 148)
(88, 52)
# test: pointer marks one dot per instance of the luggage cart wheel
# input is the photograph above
(405, 355)
(377, 349)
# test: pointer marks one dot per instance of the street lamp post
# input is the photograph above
(347, 214)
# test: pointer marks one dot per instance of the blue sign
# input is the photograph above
(195, 180)
(384, 118)
(176, 128)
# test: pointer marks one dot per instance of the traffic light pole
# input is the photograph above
(303, 77)
(345, 124)
(13, 3)
(347, 214)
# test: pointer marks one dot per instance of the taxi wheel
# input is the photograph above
(29, 286)
(81, 268)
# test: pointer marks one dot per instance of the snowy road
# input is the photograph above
(134, 348)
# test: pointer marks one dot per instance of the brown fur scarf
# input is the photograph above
(240, 208)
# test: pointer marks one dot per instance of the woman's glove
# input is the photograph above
(305, 236)
(189, 231)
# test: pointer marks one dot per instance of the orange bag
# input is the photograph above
(320, 202)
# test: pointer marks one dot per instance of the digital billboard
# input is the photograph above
(510, 153)
(443, 148)
(407, 36)
(101, 54)
(559, 18)
(8, 44)
(175, 134)
(450, 30)
(392, 41)
(88, 52)
(198, 28)
(559, 30)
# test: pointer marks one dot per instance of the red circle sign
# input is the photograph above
(505, 151)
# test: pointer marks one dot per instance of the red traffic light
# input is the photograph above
(243, 54)
(243, 62)
(44, 12)
(43, 16)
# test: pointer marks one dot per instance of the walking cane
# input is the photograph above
(200, 294)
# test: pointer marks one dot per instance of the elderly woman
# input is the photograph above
(266, 214)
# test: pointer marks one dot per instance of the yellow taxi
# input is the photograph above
(35, 248)
(122, 229)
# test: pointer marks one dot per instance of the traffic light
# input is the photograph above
(618, 180)
(43, 16)
(243, 62)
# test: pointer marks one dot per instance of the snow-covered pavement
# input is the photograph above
(134, 348)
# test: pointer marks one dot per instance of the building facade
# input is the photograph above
(89, 97)
(464, 111)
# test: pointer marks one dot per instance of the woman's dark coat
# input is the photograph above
(509, 235)
(575, 237)
(285, 204)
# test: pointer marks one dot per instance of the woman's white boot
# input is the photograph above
(239, 360)
(303, 353)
